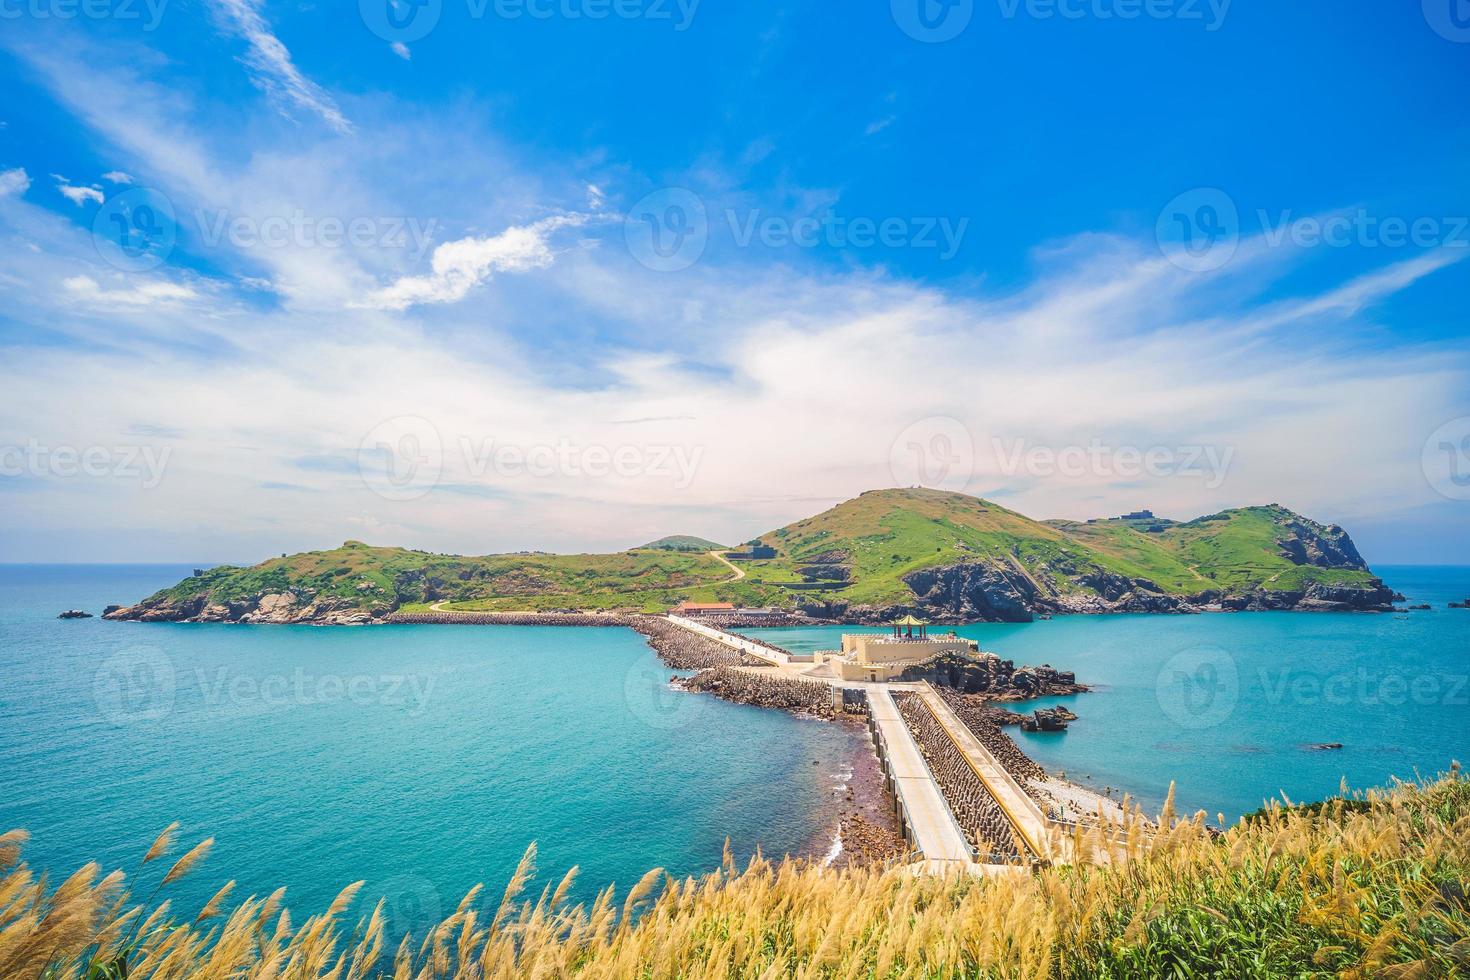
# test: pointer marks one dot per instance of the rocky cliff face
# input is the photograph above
(976, 591)
(987, 592)
(271, 607)
(1323, 546)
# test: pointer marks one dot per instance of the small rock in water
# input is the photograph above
(74, 614)
(1324, 747)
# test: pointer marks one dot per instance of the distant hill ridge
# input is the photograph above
(681, 542)
(949, 557)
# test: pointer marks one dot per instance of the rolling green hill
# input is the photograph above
(949, 556)
(682, 542)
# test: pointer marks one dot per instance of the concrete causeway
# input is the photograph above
(928, 821)
(926, 816)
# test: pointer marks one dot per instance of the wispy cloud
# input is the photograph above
(271, 66)
(76, 194)
(136, 294)
(460, 266)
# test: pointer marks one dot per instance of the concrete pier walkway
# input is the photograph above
(929, 824)
(776, 658)
(926, 816)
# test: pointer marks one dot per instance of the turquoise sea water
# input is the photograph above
(1225, 705)
(423, 759)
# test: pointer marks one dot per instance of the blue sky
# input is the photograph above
(765, 255)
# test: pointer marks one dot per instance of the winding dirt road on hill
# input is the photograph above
(739, 572)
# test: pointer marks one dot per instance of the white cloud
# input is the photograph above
(118, 177)
(401, 49)
(15, 181)
(150, 293)
(76, 194)
(878, 125)
(460, 266)
(272, 68)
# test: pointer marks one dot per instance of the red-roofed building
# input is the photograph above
(697, 608)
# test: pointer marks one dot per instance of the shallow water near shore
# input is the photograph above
(421, 758)
(1228, 705)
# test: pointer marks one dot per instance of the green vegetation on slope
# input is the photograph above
(397, 576)
(859, 553)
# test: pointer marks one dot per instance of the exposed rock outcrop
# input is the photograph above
(1317, 597)
(976, 591)
(998, 679)
(272, 607)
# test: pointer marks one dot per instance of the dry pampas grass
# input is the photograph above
(1365, 885)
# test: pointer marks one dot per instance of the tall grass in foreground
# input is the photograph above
(1372, 885)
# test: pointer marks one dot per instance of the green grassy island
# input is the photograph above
(949, 556)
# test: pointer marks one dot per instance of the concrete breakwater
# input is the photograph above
(983, 821)
(764, 690)
(978, 718)
(683, 650)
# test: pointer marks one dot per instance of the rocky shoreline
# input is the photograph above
(954, 598)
